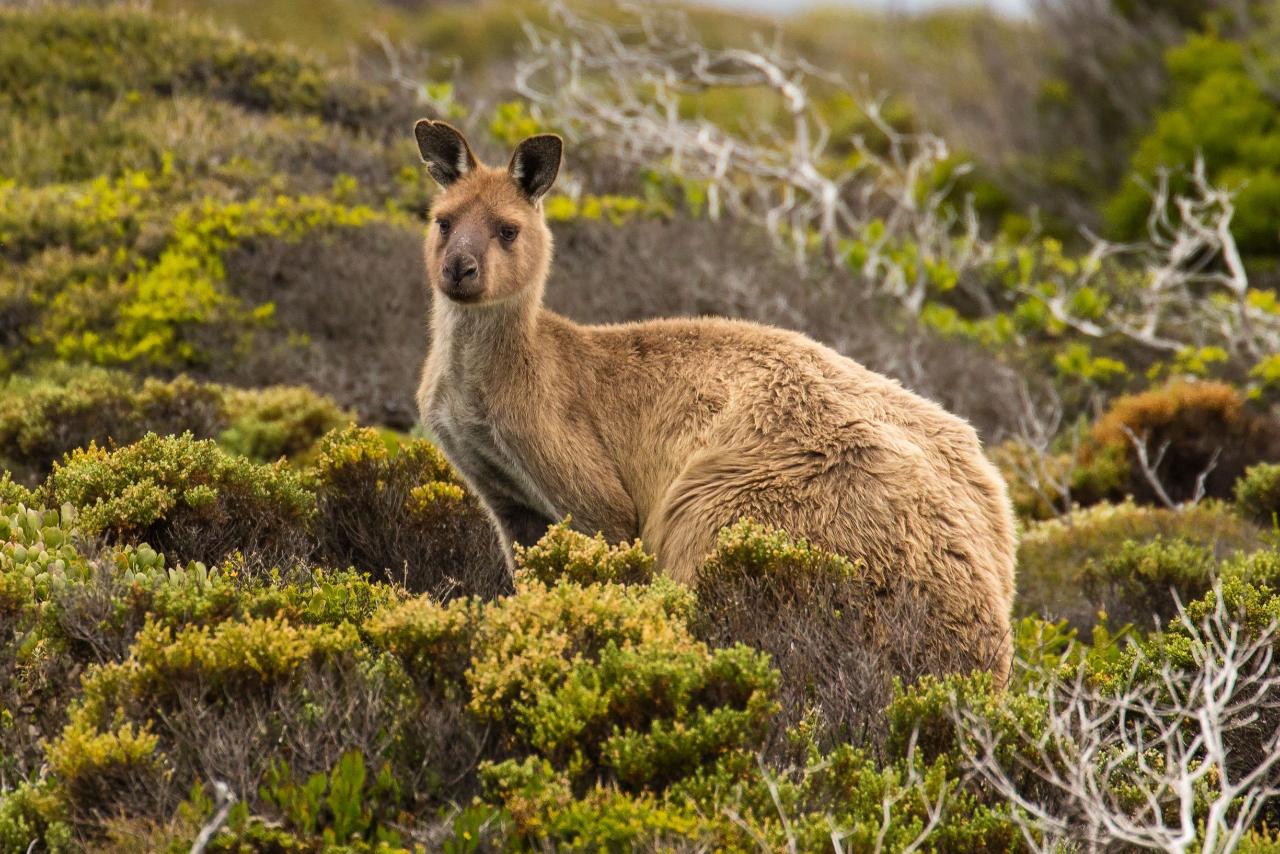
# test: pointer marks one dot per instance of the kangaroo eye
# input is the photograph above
(508, 233)
(444, 225)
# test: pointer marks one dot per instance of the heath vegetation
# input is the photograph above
(246, 604)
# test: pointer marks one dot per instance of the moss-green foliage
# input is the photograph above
(564, 555)
(63, 68)
(12, 493)
(186, 496)
(1145, 580)
(281, 421)
(125, 272)
(1055, 556)
(398, 509)
(31, 812)
(587, 682)
(1220, 109)
(1258, 493)
(1254, 608)
(44, 416)
(833, 628)
(142, 153)
(59, 408)
(582, 709)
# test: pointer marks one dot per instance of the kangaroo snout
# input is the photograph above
(461, 277)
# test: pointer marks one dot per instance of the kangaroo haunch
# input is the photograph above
(672, 429)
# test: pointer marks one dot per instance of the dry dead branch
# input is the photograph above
(1172, 758)
(625, 91)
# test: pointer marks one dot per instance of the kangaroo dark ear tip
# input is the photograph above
(432, 128)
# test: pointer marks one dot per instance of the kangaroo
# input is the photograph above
(671, 429)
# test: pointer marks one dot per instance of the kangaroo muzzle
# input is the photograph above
(461, 278)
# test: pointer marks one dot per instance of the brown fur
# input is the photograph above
(671, 429)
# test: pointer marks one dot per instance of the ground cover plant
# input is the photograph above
(246, 604)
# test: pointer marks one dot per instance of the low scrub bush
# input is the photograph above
(37, 562)
(281, 421)
(1161, 736)
(1142, 581)
(586, 686)
(1054, 555)
(1199, 431)
(566, 555)
(186, 497)
(398, 510)
(31, 814)
(209, 701)
(1257, 494)
(12, 493)
(582, 710)
(105, 55)
(59, 410)
(838, 634)
(1219, 110)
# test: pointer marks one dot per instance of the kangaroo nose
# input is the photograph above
(460, 268)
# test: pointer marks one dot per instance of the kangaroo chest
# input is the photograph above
(475, 435)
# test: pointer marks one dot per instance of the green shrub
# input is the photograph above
(12, 493)
(187, 498)
(1263, 841)
(38, 562)
(839, 633)
(281, 421)
(187, 698)
(1261, 568)
(29, 815)
(59, 408)
(565, 555)
(808, 610)
(433, 641)
(402, 514)
(1221, 110)
(1257, 493)
(842, 797)
(345, 806)
(585, 685)
(1145, 580)
(593, 685)
(97, 768)
(98, 56)
(923, 715)
(62, 409)
(1053, 556)
(605, 685)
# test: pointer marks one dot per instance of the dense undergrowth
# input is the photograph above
(595, 704)
(237, 592)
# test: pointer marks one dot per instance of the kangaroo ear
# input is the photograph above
(535, 164)
(444, 150)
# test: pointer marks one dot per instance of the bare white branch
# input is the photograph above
(879, 211)
(1168, 758)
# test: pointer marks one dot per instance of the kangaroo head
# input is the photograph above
(487, 240)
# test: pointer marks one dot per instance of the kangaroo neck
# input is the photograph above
(497, 340)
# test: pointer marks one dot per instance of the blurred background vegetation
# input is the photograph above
(231, 558)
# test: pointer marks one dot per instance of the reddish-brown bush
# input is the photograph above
(1191, 428)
